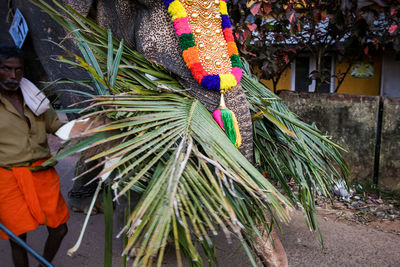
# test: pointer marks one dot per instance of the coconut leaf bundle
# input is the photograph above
(164, 145)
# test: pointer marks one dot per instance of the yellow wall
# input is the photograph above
(361, 86)
(350, 85)
(283, 84)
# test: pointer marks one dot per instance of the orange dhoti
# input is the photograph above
(28, 199)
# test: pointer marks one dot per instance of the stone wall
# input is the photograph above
(350, 120)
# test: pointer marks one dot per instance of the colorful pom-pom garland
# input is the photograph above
(222, 82)
(190, 52)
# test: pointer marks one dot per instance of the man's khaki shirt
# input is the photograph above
(21, 142)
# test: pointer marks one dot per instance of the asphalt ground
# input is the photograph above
(344, 244)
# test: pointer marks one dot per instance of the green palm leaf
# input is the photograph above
(289, 148)
(190, 169)
(165, 146)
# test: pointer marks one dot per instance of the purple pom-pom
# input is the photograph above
(225, 22)
(211, 82)
(168, 2)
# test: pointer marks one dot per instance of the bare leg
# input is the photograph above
(53, 241)
(19, 255)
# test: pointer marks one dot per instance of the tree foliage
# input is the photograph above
(272, 33)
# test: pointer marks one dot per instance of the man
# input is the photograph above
(29, 193)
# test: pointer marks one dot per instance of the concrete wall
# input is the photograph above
(389, 171)
(350, 120)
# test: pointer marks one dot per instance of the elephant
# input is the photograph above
(146, 26)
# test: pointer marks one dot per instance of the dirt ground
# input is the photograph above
(346, 242)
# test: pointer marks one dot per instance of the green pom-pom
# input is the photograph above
(235, 60)
(226, 116)
(186, 41)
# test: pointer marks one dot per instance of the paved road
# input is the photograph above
(345, 245)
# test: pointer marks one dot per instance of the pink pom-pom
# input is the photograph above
(182, 26)
(237, 72)
(218, 119)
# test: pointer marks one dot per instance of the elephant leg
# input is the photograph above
(237, 102)
(81, 193)
(271, 254)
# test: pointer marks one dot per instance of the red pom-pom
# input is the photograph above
(228, 35)
(198, 71)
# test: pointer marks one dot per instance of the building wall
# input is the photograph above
(360, 86)
(283, 84)
(390, 78)
(350, 85)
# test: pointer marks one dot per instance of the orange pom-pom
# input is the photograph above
(191, 56)
(232, 49)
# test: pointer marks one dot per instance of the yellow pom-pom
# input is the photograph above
(235, 123)
(223, 9)
(227, 81)
(177, 10)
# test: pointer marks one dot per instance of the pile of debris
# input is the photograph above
(362, 207)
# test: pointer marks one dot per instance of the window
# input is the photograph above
(300, 71)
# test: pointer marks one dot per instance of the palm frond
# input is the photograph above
(165, 146)
(288, 149)
(188, 169)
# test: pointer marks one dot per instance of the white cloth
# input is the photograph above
(33, 97)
